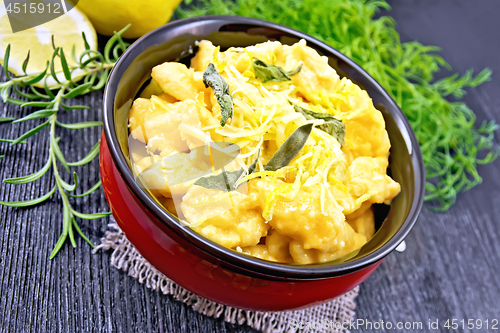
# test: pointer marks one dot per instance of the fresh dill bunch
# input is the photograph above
(450, 141)
(89, 73)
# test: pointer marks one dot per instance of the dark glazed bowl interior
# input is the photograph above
(176, 42)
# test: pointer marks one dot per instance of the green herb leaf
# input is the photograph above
(253, 166)
(67, 220)
(54, 145)
(81, 125)
(30, 133)
(67, 186)
(81, 233)
(92, 75)
(102, 80)
(10, 141)
(271, 73)
(6, 62)
(35, 91)
(48, 91)
(36, 115)
(29, 178)
(5, 119)
(36, 104)
(52, 63)
(37, 78)
(332, 126)
(74, 107)
(29, 202)
(59, 244)
(25, 63)
(79, 90)
(85, 43)
(95, 187)
(90, 216)
(111, 43)
(226, 180)
(14, 101)
(89, 157)
(24, 94)
(212, 79)
(97, 57)
(4, 93)
(290, 148)
(64, 65)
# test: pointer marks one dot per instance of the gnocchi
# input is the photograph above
(317, 207)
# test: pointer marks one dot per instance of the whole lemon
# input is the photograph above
(108, 16)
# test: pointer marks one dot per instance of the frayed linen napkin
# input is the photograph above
(323, 318)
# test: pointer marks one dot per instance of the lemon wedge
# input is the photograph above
(67, 31)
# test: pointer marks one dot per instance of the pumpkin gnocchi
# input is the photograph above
(286, 196)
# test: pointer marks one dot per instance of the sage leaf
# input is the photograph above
(271, 73)
(253, 166)
(212, 79)
(224, 181)
(290, 148)
(332, 126)
(227, 180)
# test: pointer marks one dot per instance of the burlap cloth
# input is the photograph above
(126, 257)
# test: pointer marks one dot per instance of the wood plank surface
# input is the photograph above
(450, 268)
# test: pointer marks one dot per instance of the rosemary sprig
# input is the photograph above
(88, 74)
(451, 142)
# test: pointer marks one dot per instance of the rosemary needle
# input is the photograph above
(94, 68)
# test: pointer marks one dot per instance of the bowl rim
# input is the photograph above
(237, 260)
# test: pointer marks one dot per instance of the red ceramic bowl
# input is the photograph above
(196, 263)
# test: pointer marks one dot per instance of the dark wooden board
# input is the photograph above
(449, 270)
